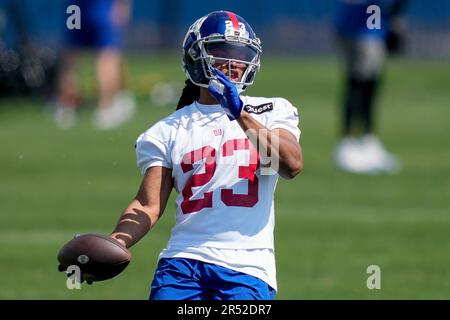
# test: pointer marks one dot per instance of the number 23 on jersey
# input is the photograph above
(228, 197)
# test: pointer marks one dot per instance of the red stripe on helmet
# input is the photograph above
(234, 20)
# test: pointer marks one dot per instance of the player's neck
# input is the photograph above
(205, 97)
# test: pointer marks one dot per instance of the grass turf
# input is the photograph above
(330, 226)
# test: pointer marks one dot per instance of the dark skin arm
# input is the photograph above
(278, 144)
(288, 154)
(146, 208)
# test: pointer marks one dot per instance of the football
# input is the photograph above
(99, 257)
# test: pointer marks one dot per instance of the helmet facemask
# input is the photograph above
(236, 56)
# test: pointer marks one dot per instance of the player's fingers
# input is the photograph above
(218, 72)
(224, 80)
(221, 76)
(69, 274)
(215, 92)
(226, 83)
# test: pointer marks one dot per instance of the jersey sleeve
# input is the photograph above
(152, 150)
(285, 116)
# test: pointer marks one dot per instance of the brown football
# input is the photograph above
(99, 257)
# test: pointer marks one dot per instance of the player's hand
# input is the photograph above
(229, 98)
(64, 269)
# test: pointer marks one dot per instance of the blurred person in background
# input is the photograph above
(102, 26)
(27, 66)
(365, 50)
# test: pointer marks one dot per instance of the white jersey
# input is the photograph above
(225, 205)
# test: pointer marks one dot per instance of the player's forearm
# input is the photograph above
(280, 150)
(135, 222)
(146, 208)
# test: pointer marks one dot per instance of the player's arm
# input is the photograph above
(279, 145)
(146, 208)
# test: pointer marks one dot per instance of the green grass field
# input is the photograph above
(330, 225)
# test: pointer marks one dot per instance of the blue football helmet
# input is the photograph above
(225, 39)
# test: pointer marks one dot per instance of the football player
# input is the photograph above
(365, 48)
(222, 152)
(102, 23)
